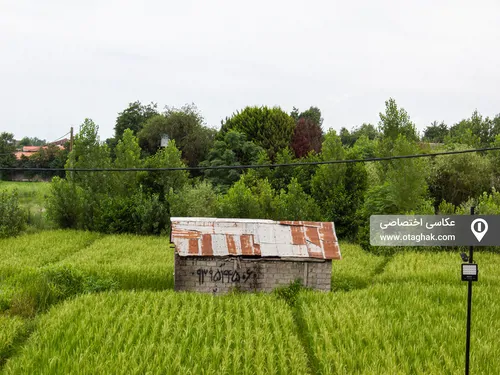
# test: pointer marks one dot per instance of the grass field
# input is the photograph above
(12, 329)
(32, 198)
(77, 302)
(31, 194)
(152, 332)
(402, 328)
(135, 262)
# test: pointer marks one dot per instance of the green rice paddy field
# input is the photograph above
(82, 303)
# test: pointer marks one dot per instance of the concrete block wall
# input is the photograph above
(220, 275)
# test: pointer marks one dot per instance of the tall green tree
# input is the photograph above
(7, 149)
(395, 122)
(88, 187)
(456, 178)
(128, 155)
(270, 128)
(401, 184)
(436, 133)
(161, 182)
(89, 152)
(133, 118)
(475, 131)
(186, 126)
(233, 149)
(339, 188)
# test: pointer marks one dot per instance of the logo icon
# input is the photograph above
(479, 227)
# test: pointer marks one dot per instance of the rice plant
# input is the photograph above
(356, 269)
(135, 262)
(11, 330)
(405, 328)
(40, 249)
(164, 333)
(432, 267)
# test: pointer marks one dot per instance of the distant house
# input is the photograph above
(28, 151)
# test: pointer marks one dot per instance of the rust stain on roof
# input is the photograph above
(206, 244)
(298, 237)
(231, 246)
(252, 237)
(193, 246)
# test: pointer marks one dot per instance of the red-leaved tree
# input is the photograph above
(307, 137)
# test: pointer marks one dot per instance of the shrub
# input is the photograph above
(64, 205)
(290, 293)
(35, 291)
(239, 202)
(12, 217)
(295, 204)
(199, 200)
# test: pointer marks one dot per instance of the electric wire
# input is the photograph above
(255, 166)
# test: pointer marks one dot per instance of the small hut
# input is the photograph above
(219, 255)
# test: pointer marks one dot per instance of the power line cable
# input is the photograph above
(254, 166)
(57, 139)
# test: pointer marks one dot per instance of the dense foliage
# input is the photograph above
(270, 128)
(141, 202)
(12, 216)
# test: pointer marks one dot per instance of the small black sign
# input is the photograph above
(469, 272)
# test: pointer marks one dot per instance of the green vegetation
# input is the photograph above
(32, 195)
(402, 328)
(357, 268)
(82, 302)
(432, 267)
(40, 249)
(31, 199)
(39, 270)
(12, 330)
(347, 194)
(134, 262)
(164, 332)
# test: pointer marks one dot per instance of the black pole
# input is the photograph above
(469, 310)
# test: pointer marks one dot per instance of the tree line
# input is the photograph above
(142, 202)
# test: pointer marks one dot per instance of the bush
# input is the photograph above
(35, 291)
(290, 293)
(12, 217)
(64, 205)
(295, 204)
(139, 213)
(199, 200)
(239, 202)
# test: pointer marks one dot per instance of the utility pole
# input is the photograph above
(469, 303)
(71, 140)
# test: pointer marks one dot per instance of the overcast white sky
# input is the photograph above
(62, 61)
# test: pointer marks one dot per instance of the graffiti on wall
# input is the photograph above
(224, 276)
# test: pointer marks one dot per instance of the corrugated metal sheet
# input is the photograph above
(193, 236)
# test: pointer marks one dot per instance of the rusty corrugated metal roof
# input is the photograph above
(201, 236)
